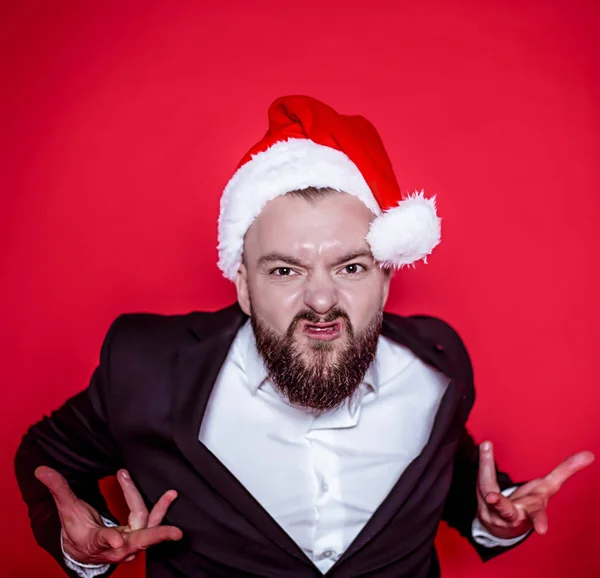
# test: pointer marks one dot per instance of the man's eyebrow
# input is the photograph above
(270, 257)
(354, 255)
(282, 257)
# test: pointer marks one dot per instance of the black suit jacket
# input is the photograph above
(143, 409)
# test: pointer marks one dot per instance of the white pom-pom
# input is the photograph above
(407, 233)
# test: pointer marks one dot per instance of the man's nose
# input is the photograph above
(320, 293)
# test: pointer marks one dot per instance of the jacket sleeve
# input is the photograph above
(461, 504)
(75, 440)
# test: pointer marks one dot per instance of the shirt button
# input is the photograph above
(328, 554)
(325, 486)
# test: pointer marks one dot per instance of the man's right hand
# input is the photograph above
(85, 537)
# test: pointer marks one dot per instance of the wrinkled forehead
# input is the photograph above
(309, 227)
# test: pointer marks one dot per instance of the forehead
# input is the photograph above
(335, 222)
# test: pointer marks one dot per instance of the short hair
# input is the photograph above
(312, 194)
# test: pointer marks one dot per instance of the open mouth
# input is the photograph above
(324, 331)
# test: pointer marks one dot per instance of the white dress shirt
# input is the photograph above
(311, 470)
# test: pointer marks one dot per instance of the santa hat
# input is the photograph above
(309, 144)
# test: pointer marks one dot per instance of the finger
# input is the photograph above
(527, 489)
(539, 519)
(107, 539)
(143, 539)
(502, 506)
(559, 475)
(138, 513)
(487, 470)
(160, 508)
(58, 486)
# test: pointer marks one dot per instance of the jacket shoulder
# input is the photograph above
(435, 329)
(147, 339)
(440, 335)
(138, 358)
(152, 327)
(137, 344)
(157, 328)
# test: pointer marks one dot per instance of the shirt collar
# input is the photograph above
(256, 372)
(252, 363)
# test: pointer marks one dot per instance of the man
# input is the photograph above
(301, 431)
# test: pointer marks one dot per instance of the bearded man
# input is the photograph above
(302, 431)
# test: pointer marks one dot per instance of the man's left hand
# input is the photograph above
(513, 516)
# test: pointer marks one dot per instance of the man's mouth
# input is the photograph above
(323, 331)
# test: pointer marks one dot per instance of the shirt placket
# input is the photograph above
(328, 542)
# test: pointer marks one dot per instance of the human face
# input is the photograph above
(312, 256)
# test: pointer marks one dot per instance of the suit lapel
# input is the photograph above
(199, 362)
(401, 331)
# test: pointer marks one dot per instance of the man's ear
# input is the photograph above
(241, 285)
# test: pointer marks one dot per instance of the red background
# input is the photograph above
(121, 123)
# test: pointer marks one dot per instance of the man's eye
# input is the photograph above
(354, 268)
(282, 271)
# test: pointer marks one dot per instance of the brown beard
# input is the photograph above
(321, 378)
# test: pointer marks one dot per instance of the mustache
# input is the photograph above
(313, 317)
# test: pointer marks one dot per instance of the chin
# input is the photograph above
(317, 350)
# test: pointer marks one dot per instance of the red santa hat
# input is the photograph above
(309, 144)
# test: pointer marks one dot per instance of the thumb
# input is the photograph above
(57, 486)
(107, 538)
(486, 477)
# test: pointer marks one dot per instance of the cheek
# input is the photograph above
(276, 304)
(362, 300)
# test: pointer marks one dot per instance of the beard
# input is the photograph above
(322, 376)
